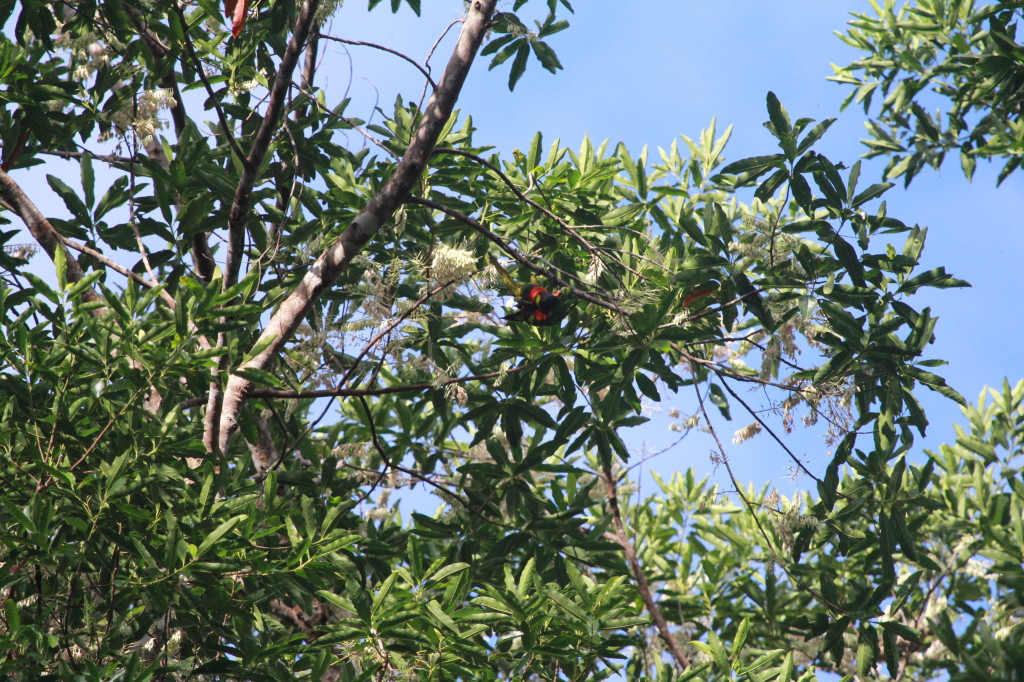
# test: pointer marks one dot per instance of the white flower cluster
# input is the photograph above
(746, 433)
(95, 56)
(141, 116)
(91, 51)
(451, 266)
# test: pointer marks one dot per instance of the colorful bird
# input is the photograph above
(534, 304)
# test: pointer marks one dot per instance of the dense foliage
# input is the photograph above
(950, 75)
(260, 328)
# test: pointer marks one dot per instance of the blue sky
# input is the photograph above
(645, 73)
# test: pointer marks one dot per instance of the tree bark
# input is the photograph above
(364, 226)
(44, 233)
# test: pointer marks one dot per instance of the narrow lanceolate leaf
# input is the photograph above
(754, 165)
(441, 617)
(814, 135)
(936, 383)
(777, 115)
(60, 264)
(547, 57)
(870, 193)
(518, 65)
(218, 533)
(71, 199)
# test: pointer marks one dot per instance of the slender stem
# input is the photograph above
(518, 257)
(643, 587)
(426, 74)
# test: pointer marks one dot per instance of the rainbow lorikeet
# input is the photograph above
(534, 304)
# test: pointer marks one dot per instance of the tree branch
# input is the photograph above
(426, 74)
(620, 536)
(197, 64)
(381, 207)
(238, 216)
(44, 233)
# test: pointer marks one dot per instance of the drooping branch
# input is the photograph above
(381, 207)
(426, 74)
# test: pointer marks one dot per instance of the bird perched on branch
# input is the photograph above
(534, 304)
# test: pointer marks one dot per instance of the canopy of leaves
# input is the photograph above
(950, 76)
(177, 503)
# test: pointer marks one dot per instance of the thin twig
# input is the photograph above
(590, 248)
(751, 509)
(116, 267)
(426, 74)
(131, 209)
(359, 129)
(238, 215)
(197, 64)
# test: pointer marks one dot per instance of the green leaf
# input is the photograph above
(259, 377)
(446, 571)
(741, 637)
(767, 188)
(518, 65)
(814, 135)
(715, 653)
(60, 264)
(337, 600)
(935, 383)
(81, 285)
(777, 115)
(546, 56)
(567, 604)
(905, 631)
(435, 610)
(13, 616)
(936, 277)
(88, 179)
(870, 193)
(786, 671)
(718, 399)
(217, 534)
(71, 199)
(892, 661)
(754, 166)
(647, 387)
(116, 195)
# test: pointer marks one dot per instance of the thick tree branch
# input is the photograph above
(381, 207)
(44, 233)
